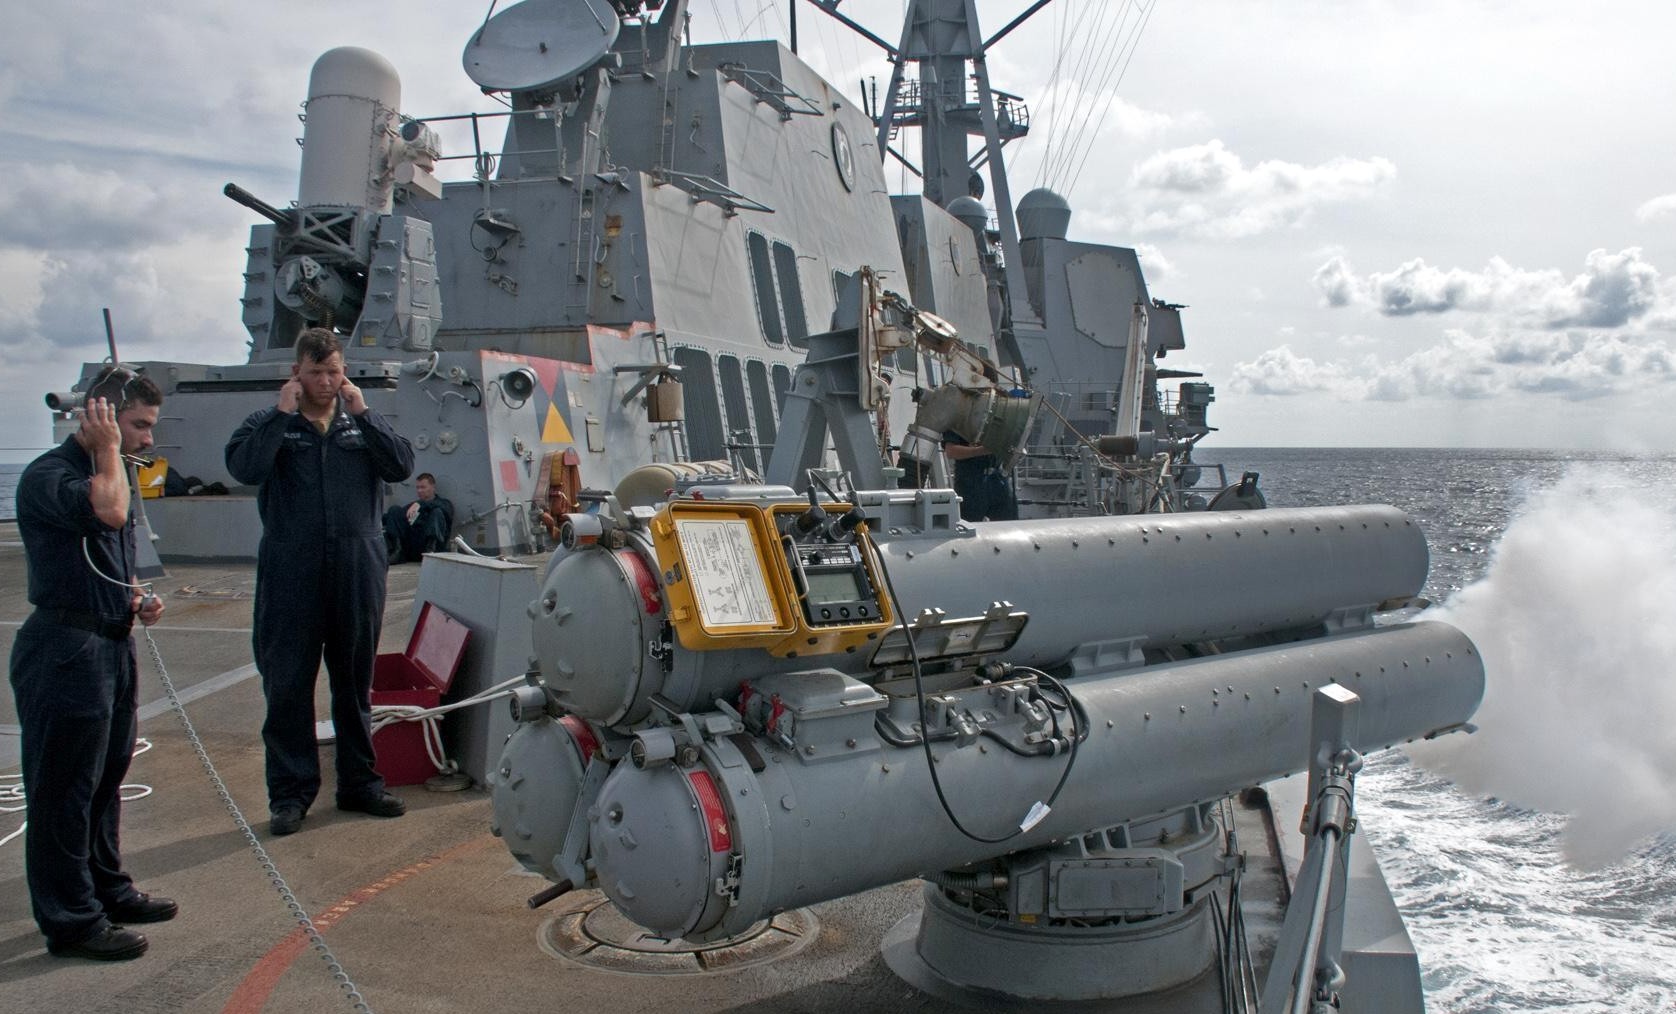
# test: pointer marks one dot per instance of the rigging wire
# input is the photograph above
(1076, 45)
(783, 29)
(1134, 44)
(1093, 39)
(1061, 25)
(1109, 45)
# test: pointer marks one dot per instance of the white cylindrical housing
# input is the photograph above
(349, 124)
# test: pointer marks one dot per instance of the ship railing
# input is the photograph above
(908, 111)
(1012, 114)
(1076, 480)
(1199, 472)
(770, 90)
(701, 188)
(704, 188)
(1240, 989)
(483, 161)
(1305, 974)
(744, 455)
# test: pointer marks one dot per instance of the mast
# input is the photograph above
(951, 101)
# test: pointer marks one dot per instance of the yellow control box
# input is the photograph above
(734, 578)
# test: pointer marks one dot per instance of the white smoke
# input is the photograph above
(1574, 622)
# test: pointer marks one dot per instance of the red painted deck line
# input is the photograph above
(253, 991)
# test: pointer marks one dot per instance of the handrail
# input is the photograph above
(704, 188)
(1305, 971)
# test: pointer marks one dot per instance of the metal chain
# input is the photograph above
(339, 976)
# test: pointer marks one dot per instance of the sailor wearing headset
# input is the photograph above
(319, 459)
(73, 673)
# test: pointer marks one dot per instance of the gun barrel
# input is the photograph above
(256, 204)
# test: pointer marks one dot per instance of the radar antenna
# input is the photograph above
(534, 45)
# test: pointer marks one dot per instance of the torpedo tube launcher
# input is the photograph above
(752, 704)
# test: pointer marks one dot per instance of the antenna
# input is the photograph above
(110, 334)
(534, 45)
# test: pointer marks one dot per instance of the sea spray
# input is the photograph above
(1576, 621)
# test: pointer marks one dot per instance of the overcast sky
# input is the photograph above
(1416, 223)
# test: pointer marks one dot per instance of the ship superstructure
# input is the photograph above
(634, 272)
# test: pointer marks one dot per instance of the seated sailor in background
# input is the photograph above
(423, 526)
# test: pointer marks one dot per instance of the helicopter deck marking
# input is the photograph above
(252, 993)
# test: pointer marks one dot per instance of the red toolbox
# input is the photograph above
(418, 676)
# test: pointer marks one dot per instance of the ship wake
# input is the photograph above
(1573, 618)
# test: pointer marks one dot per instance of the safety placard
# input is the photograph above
(725, 571)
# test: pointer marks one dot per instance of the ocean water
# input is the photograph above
(8, 490)
(1534, 861)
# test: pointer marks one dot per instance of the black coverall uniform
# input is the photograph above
(320, 575)
(985, 493)
(73, 678)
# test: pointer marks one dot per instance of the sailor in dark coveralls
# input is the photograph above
(74, 678)
(320, 459)
(984, 491)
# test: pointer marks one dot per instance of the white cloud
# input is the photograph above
(1658, 207)
(1158, 267)
(1281, 372)
(1573, 365)
(1074, 108)
(161, 303)
(60, 205)
(1338, 283)
(1205, 190)
(1133, 121)
(1614, 289)
(1417, 287)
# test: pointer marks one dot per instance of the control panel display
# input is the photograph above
(832, 581)
(829, 588)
